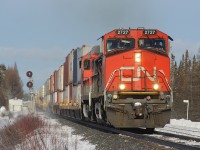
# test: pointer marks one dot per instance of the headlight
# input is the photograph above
(138, 57)
(137, 104)
(115, 96)
(122, 86)
(155, 86)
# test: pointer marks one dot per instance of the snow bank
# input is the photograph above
(3, 111)
(4, 121)
(185, 123)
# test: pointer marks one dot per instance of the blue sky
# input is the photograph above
(38, 34)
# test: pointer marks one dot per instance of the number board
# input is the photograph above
(122, 31)
(149, 32)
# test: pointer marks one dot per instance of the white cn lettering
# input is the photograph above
(138, 75)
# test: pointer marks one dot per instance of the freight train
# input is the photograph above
(122, 82)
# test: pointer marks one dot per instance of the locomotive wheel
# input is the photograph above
(98, 110)
(100, 113)
(85, 111)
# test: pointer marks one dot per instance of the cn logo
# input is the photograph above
(139, 73)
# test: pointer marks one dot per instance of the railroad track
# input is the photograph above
(158, 137)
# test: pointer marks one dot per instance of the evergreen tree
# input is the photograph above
(13, 83)
(195, 89)
(2, 73)
(3, 98)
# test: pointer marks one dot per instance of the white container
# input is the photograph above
(61, 97)
(55, 100)
(70, 69)
(66, 95)
(60, 78)
(48, 99)
(52, 84)
(40, 93)
(84, 50)
(47, 87)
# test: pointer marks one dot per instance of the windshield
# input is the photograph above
(149, 43)
(122, 44)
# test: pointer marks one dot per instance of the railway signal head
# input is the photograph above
(29, 84)
(29, 74)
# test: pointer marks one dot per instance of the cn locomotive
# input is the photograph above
(122, 82)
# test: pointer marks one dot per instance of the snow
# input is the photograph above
(182, 127)
(61, 134)
(185, 123)
(65, 134)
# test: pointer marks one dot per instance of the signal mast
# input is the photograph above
(29, 84)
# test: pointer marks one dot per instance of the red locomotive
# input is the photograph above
(123, 82)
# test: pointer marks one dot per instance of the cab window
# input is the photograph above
(120, 44)
(152, 43)
(87, 64)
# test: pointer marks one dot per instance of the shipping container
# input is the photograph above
(52, 84)
(75, 67)
(47, 87)
(70, 69)
(55, 100)
(78, 94)
(55, 81)
(51, 99)
(85, 49)
(60, 78)
(58, 96)
(48, 99)
(61, 97)
(66, 69)
(70, 92)
(74, 95)
(66, 95)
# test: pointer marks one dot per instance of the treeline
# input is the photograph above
(185, 82)
(10, 84)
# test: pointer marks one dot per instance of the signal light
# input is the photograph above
(29, 74)
(29, 84)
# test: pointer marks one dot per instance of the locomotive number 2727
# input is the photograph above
(123, 31)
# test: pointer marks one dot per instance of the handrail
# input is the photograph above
(165, 79)
(109, 80)
(168, 86)
(111, 76)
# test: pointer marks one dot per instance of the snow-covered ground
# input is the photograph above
(61, 133)
(182, 127)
